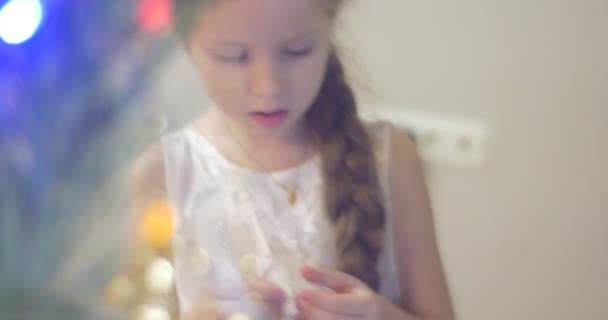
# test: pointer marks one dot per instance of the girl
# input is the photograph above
(286, 204)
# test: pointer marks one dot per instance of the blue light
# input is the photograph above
(19, 20)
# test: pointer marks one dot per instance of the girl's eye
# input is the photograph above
(231, 57)
(298, 52)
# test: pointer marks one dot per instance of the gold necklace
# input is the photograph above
(290, 189)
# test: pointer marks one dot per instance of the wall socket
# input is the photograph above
(442, 140)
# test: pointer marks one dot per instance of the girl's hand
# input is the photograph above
(347, 297)
(261, 294)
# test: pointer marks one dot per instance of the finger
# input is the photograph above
(205, 309)
(358, 303)
(332, 279)
(268, 294)
(222, 291)
(299, 316)
(254, 288)
(310, 312)
(218, 303)
(229, 310)
(267, 291)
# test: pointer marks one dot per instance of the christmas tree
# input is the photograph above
(72, 117)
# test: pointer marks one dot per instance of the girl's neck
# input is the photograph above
(257, 149)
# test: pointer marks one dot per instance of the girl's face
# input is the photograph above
(263, 61)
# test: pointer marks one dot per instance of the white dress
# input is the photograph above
(231, 221)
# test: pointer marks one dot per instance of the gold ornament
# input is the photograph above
(156, 226)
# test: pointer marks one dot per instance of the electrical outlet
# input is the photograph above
(441, 140)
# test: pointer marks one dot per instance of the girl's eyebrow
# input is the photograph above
(296, 37)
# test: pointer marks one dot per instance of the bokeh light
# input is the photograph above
(19, 20)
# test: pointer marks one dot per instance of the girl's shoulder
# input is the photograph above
(147, 175)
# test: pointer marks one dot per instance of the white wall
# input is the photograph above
(524, 237)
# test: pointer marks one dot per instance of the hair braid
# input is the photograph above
(352, 190)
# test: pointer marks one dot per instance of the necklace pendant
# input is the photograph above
(292, 197)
